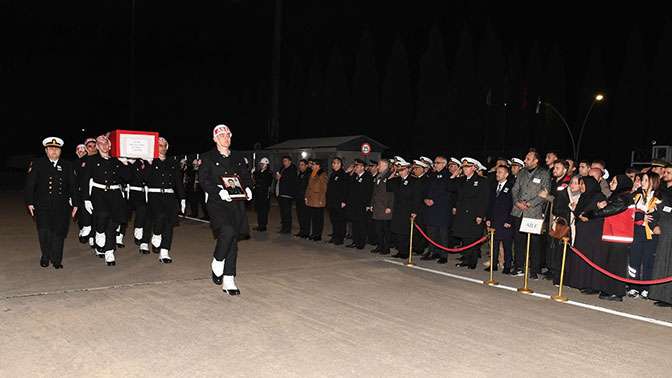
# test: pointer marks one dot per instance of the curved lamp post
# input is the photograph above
(576, 145)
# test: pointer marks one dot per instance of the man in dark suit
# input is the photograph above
(407, 203)
(437, 206)
(499, 217)
(470, 210)
(51, 191)
(357, 202)
(287, 180)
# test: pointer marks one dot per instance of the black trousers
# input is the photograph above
(507, 244)
(383, 234)
(84, 219)
(163, 208)
(303, 213)
(439, 234)
(359, 231)
(109, 211)
(285, 213)
(554, 257)
(402, 241)
(617, 263)
(137, 203)
(520, 248)
(196, 199)
(472, 254)
(337, 218)
(262, 205)
(227, 249)
(316, 221)
(52, 228)
(371, 236)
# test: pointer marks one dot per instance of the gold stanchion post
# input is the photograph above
(525, 289)
(491, 281)
(410, 244)
(560, 297)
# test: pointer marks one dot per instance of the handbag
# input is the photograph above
(559, 228)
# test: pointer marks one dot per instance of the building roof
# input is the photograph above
(344, 143)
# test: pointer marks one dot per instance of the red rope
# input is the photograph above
(617, 277)
(451, 250)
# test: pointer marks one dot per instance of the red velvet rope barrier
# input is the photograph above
(451, 250)
(617, 277)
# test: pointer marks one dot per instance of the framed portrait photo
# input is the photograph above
(232, 185)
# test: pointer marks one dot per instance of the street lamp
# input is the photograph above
(575, 145)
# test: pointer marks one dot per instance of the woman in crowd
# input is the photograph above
(647, 211)
(662, 267)
(616, 237)
(588, 235)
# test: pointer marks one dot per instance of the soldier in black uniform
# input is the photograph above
(422, 171)
(51, 190)
(371, 236)
(263, 179)
(84, 234)
(137, 201)
(104, 198)
(336, 192)
(84, 218)
(164, 191)
(357, 203)
(302, 211)
(407, 202)
(473, 193)
(226, 215)
(437, 207)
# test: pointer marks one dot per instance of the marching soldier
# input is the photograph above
(164, 191)
(226, 216)
(137, 201)
(407, 202)
(84, 219)
(263, 179)
(105, 176)
(358, 202)
(470, 210)
(336, 192)
(51, 190)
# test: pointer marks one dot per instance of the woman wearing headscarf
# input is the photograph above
(643, 253)
(662, 267)
(617, 236)
(588, 235)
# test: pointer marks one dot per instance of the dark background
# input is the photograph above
(421, 77)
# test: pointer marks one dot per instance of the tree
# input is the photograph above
(395, 100)
(365, 111)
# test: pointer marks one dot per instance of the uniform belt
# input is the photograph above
(160, 190)
(93, 184)
(136, 188)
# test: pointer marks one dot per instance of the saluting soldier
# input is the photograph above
(51, 190)
(470, 210)
(104, 198)
(226, 216)
(165, 190)
(357, 203)
(407, 202)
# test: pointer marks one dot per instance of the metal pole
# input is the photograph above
(410, 244)
(491, 281)
(569, 130)
(525, 289)
(583, 126)
(560, 297)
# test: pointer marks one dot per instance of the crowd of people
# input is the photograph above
(621, 222)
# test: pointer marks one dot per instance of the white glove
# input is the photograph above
(123, 160)
(183, 205)
(88, 206)
(248, 192)
(131, 161)
(224, 195)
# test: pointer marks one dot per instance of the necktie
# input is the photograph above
(499, 188)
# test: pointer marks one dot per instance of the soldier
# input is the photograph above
(84, 219)
(137, 201)
(226, 216)
(357, 203)
(51, 190)
(371, 237)
(470, 210)
(105, 176)
(164, 191)
(436, 200)
(302, 211)
(407, 202)
(382, 207)
(516, 166)
(263, 179)
(336, 192)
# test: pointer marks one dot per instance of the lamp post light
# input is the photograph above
(576, 145)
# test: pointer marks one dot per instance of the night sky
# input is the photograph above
(68, 66)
